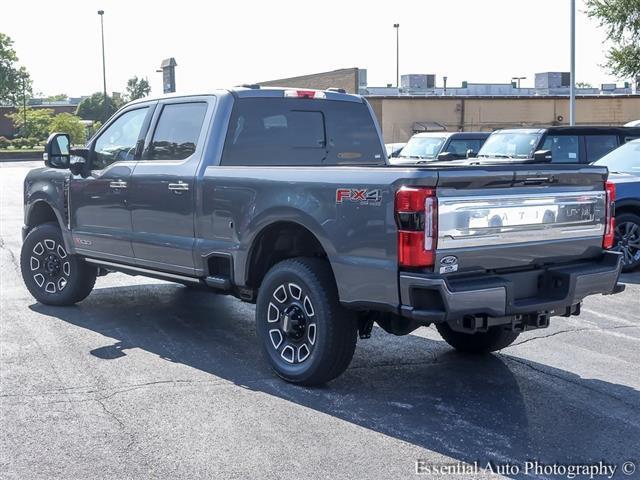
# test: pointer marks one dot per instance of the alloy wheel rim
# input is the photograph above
(627, 242)
(291, 323)
(49, 265)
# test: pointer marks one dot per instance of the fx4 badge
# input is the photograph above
(360, 195)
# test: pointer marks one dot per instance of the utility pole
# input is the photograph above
(572, 87)
(397, 27)
(104, 70)
(24, 103)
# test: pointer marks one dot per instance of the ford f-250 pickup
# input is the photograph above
(285, 198)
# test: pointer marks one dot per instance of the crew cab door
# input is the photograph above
(163, 193)
(98, 202)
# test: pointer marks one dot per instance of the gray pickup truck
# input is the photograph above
(285, 198)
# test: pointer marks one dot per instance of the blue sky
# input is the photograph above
(218, 44)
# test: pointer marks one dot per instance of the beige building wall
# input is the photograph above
(345, 78)
(397, 115)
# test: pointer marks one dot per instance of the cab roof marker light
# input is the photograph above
(304, 94)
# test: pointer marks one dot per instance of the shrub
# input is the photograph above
(4, 142)
(71, 124)
(18, 142)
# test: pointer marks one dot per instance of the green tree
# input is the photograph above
(92, 108)
(583, 85)
(60, 97)
(137, 88)
(71, 124)
(15, 82)
(38, 121)
(621, 19)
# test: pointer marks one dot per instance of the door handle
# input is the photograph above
(118, 184)
(178, 187)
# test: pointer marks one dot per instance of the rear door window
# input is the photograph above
(599, 145)
(276, 131)
(564, 148)
(176, 134)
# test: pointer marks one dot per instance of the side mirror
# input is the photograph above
(471, 154)
(446, 156)
(56, 151)
(78, 160)
(542, 156)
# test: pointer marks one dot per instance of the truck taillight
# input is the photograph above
(416, 216)
(610, 221)
(304, 94)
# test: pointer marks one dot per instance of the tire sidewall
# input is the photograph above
(624, 218)
(39, 234)
(283, 274)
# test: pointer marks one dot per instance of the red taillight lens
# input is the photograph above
(610, 221)
(416, 215)
(411, 250)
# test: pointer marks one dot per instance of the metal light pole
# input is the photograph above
(572, 87)
(24, 103)
(397, 27)
(104, 70)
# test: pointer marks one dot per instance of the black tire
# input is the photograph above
(317, 339)
(496, 338)
(627, 240)
(51, 275)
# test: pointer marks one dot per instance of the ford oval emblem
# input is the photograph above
(449, 264)
(449, 260)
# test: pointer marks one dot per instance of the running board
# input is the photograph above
(131, 270)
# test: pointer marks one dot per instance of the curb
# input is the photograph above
(20, 157)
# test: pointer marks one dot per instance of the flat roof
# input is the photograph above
(499, 97)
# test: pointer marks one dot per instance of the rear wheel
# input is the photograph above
(53, 276)
(627, 240)
(496, 338)
(306, 335)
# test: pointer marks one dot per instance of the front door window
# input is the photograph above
(118, 142)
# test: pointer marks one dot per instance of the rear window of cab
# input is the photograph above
(299, 132)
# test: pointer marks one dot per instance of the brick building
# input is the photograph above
(6, 125)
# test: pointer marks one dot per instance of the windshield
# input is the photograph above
(624, 159)
(510, 145)
(422, 147)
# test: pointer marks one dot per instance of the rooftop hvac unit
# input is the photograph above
(415, 81)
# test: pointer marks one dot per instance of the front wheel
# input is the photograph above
(53, 276)
(496, 338)
(306, 335)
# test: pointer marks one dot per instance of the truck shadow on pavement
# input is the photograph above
(497, 408)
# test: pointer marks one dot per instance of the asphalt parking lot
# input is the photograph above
(146, 379)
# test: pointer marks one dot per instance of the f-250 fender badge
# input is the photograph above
(449, 264)
(362, 196)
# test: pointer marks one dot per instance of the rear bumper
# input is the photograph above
(528, 297)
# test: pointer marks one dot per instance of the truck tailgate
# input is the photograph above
(511, 216)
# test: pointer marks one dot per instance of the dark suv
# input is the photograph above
(557, 144)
